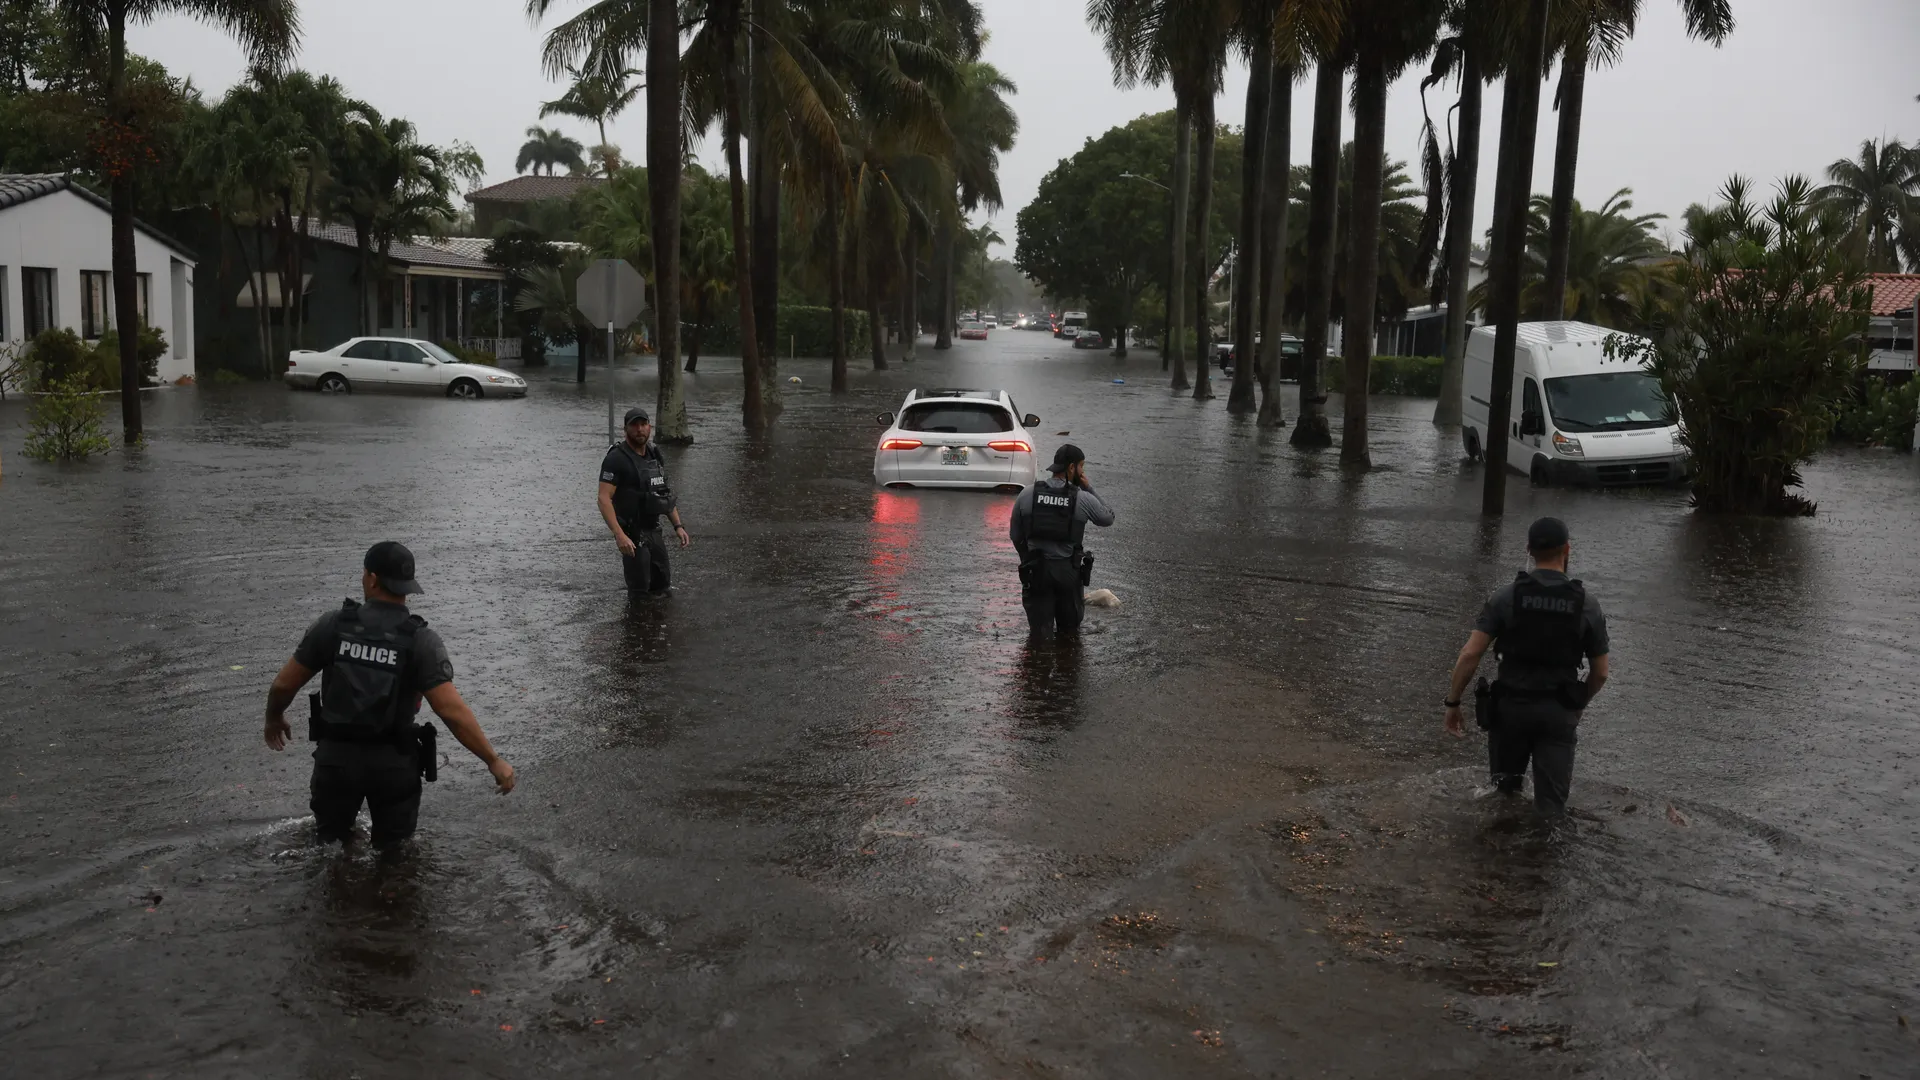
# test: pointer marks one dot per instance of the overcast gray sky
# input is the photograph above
(1799, 83)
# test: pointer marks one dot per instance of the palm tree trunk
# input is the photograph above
(1274, 199)
(764, 186)
(1323, 206)
(126, 287)
(876, 330)
(1566, 162)
(910, 318)
(943, 267)
(753, 411)
(1461, 185)
(1205, 130)
(1363, 251)
(1246, 283)
(1175, 345)
(363, 258)
(663, 201)
(699, 330)
(837, 286)
(1515, 175)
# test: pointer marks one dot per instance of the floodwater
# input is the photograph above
(823, 812)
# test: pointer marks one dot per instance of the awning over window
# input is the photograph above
(267, 287)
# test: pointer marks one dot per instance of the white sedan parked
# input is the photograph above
(400, 365)
(956, 439)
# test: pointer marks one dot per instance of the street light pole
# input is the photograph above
(1148, 179)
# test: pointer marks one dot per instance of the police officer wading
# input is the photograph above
(634, 494)
(1541, 627)
(376, 661)
(1048, 522)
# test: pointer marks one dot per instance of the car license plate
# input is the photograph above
(953, 455)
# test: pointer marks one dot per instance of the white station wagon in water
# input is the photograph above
(956, 439)
(398, 365)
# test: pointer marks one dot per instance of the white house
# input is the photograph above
(56, 257)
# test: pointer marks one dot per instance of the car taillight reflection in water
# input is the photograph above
(900, 444)
(1010, 446)
(896, 524)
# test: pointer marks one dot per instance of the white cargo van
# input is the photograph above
(1578, 416)
(1071, 324)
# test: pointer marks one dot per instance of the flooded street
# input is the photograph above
(823, 812)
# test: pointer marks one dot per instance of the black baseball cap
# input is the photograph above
(1068, 454)
(637, 415)
(392, 564)
(1546, 534)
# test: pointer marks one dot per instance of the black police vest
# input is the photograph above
(363, 694)
(1546, 633)
(1053, 513)
(641, 506)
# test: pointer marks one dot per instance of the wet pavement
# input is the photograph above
(824, 812)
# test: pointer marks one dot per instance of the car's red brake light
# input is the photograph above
(900, 444)
(1011, 446)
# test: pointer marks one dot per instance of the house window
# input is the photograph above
(95, 301)
(36, 299)
(141, 302)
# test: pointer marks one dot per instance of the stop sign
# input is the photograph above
(611, 292)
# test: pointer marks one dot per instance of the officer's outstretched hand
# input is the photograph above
(278, 732)
(1454, 727)
(502, 774)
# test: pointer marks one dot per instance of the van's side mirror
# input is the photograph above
(1030, 420)
(1532, 423)
(885, 419)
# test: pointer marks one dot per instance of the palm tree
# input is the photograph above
(983, 125)
(1388, 36)
(1597, 30)
(547, 149)
(1615, 263)
(596, 94)
(706, 254)
(268, 30)
(1469, 50)
(1878, 194)
(1311, 430)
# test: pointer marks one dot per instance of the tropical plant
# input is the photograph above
(66, 422)
(983, 125)
(706, 255)
(1614, 264)
(1879, 194)
(596, 94)
(547, 149)
(266, 29)
(1763, 349)
(1596, 31)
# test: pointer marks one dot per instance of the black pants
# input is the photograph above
(1050, 591)
(1540, 730)
(347, 774)
(646, 569)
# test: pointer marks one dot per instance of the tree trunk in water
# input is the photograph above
(1175, 344)
(943, 265)
(1566, 163)
(699, 331)
(126, 287)
(764, 187)
(663, 200)
(909, 299)
(1323, 206)
(837, 288)
(1363, 252)
(1246, 282)
(1465, 178)
(1516, 172)
(1274, 199)
(1204, 132)
(753, 412)
(876, 330)
(253, 289)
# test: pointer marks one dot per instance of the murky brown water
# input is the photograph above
(823, 811)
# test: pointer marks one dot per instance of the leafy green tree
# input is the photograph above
(266, 29)
(1763, 349)
(1616, 266)
(1879, 194)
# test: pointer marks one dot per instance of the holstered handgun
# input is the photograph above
(1086, 568)
(426, 742)
(1483, 704)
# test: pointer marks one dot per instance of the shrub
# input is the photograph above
(13, 367)
(153, 346)
(227, 377)
(58, 354)
(470, 356)
(1411, 376)
(808, 331)
(1881, 415)
(65, 422)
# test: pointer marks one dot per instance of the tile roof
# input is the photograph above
(1893, 292)
(17, 188)
(448, 252)
(526, 189)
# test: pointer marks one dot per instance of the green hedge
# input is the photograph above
(58, 355)
(806, 331)
(1410, 376)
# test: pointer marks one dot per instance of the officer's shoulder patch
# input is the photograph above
(415, 621)
(607, 476)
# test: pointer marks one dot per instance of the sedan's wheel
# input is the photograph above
(333, 384)
(464, 388)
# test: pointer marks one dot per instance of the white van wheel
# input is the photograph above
(1538, 473)
(1471, 439)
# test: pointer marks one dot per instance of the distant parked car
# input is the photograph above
(973, 329)
(400, 365)
(1089, 339)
